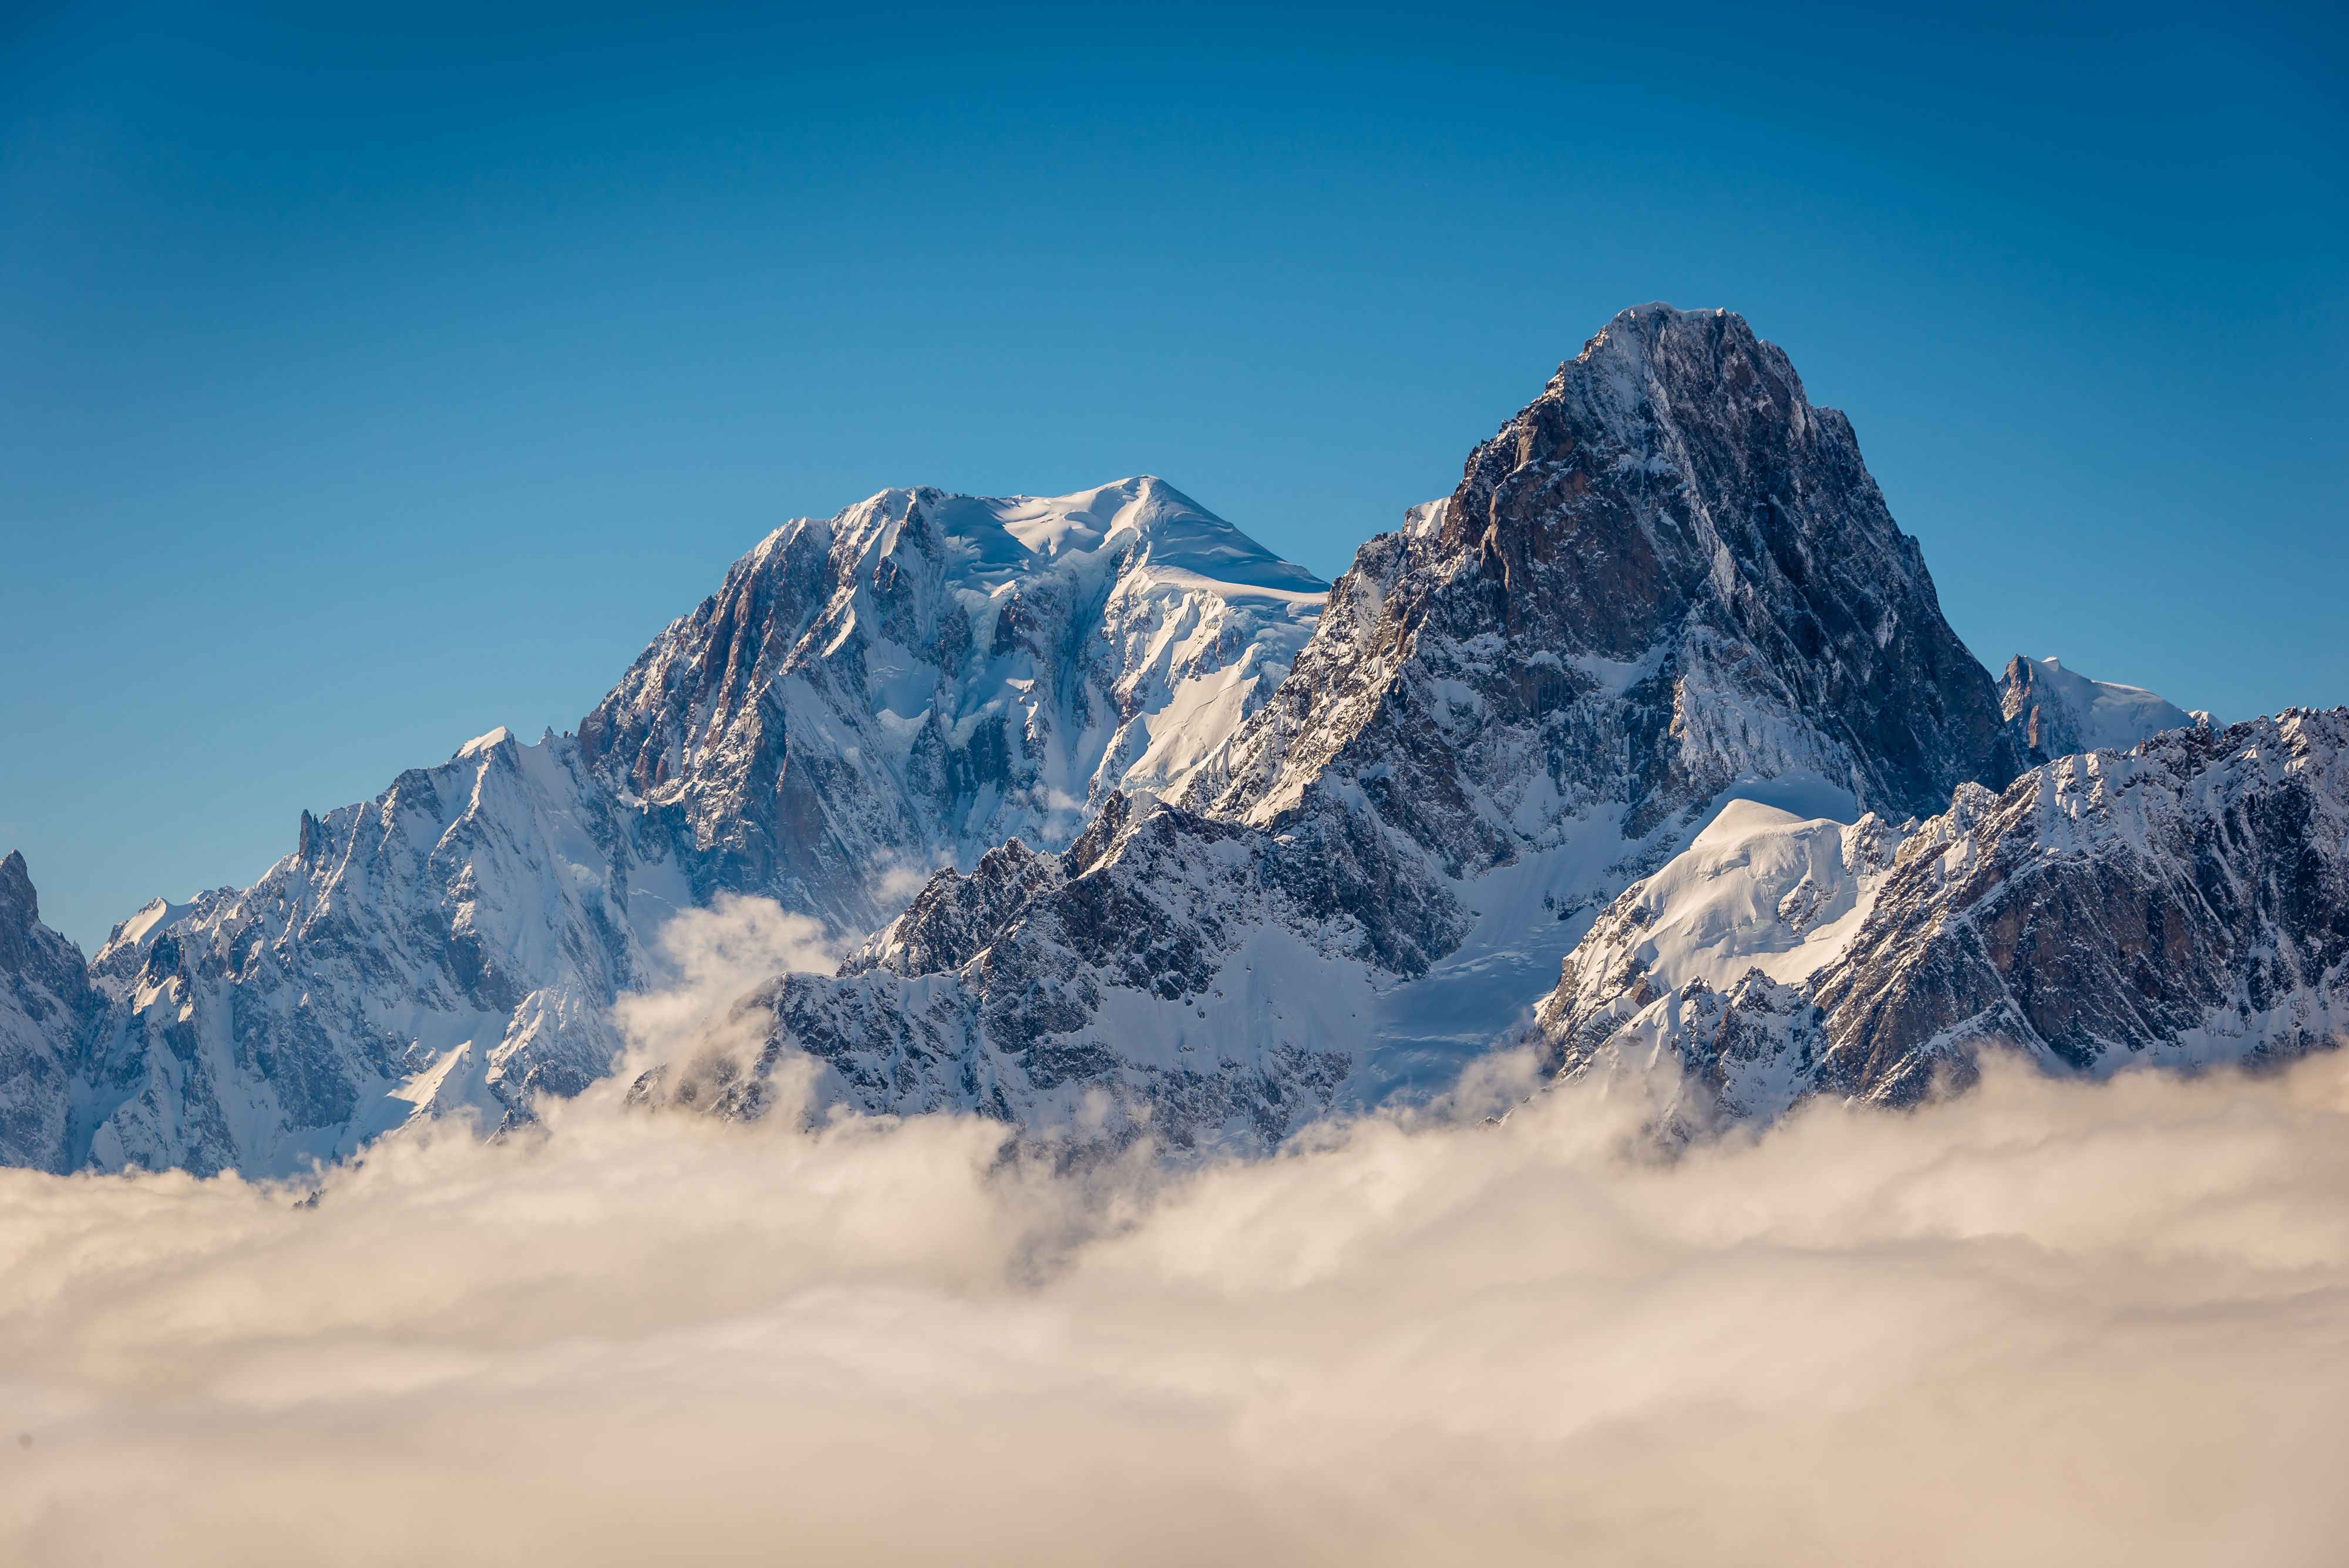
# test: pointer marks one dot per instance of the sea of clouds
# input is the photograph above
(2039, 1323)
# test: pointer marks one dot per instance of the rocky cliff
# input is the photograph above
(2183, 903)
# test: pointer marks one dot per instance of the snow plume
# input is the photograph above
(2041, 1323)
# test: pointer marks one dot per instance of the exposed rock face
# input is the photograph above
(2057, 711)
(868, 697)
(2187, 903)
(46, 1005)
(1102, 985)
(1667, 574)
(1669, 577)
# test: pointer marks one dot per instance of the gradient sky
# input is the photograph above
(371, 379)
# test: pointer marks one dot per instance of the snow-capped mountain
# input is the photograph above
(1605, 749)
(1670, 580)
(867, 698)
(2185, 903)
(925, 676)
(2060, 713)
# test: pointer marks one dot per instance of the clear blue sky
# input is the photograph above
(372, 379)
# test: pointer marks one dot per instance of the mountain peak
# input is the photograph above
(484, 743)
(2016, 921)
(928, 673)
(2059, 711)
(1635, 335)
(1672, 559)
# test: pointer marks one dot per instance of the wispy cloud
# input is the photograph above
(2043, 1322)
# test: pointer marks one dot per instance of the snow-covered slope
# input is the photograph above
(868, 698)
(2185, 903)
(1759, 888)
(2060, 711)
(927, 675)
(1716, 947)
(1667, 581)
(45, 1007)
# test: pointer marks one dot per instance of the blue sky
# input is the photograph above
(367, 380)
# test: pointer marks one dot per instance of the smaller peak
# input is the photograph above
(1083, 520)
(1153, 493)
(897, 495)
(774, 538)
(884, 506)
(2062, 711)
(1743, 817)
(1134, 501)
(151, 919)
(478, 743)
(16, 894)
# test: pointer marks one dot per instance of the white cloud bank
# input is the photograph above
(2043, 1322)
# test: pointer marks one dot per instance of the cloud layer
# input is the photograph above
(2043, 1322)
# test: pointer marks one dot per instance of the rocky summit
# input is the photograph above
(1649, 741)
